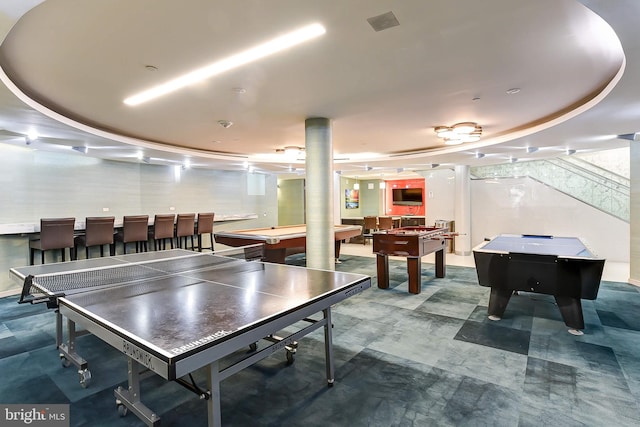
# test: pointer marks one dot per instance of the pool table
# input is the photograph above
(280, 242)
(560, 266)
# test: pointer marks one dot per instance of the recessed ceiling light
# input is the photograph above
(254, 53)
(513, 91)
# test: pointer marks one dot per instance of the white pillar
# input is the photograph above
(634, 223)
(463, 210)
(319, 194)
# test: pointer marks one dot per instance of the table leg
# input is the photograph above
(441, 264)
(129, 399)
(498, 301)
(414, 268)
(59, 337)
(213, 405)
(382, 262)
(328, 346)
(571, 310)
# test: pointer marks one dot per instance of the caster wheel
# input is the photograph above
(253, 347)
(291, 357)
(122, 410)
(85, 378)
(65, 362)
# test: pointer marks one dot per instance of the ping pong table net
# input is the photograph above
(49, 287)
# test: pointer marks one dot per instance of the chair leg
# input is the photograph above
(32, 254)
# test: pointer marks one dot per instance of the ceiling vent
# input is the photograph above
(384, 21)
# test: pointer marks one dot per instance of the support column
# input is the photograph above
(319, 194)
(634, 217)
(463, 210)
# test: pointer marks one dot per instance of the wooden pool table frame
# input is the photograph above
(280, 242)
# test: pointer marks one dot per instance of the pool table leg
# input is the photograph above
(382, 264)
(275, 255)
(498, 302)
(337, 250)
(571, 310)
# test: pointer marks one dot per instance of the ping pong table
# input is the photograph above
(174, 312)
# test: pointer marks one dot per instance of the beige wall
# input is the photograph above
(291, 202)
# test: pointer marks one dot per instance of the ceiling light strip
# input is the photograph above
(273, 46)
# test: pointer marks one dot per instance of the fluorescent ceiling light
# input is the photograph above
(252, 54)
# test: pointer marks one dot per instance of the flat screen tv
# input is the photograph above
(407, 196)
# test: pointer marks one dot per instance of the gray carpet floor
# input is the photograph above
(432, 359)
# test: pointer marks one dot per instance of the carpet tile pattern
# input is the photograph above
(432, 359)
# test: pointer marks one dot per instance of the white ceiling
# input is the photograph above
(68, 65)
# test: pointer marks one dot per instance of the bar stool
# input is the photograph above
(134, 230)
(98, 232)
(55, 233)
(205, 226)
(370, 225)
(185, 227)
(163, 228)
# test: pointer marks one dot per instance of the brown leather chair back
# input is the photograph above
(385, 223)
(205, 223)
(99, 230)
(56, 233)
(163, 226)
(135, 228)
(185, 225)
(370, 223)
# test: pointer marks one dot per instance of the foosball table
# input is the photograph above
(412, 243)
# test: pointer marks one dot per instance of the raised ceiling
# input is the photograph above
(68, 65)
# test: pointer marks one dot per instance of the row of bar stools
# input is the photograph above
(58, 233)
(55, 234)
